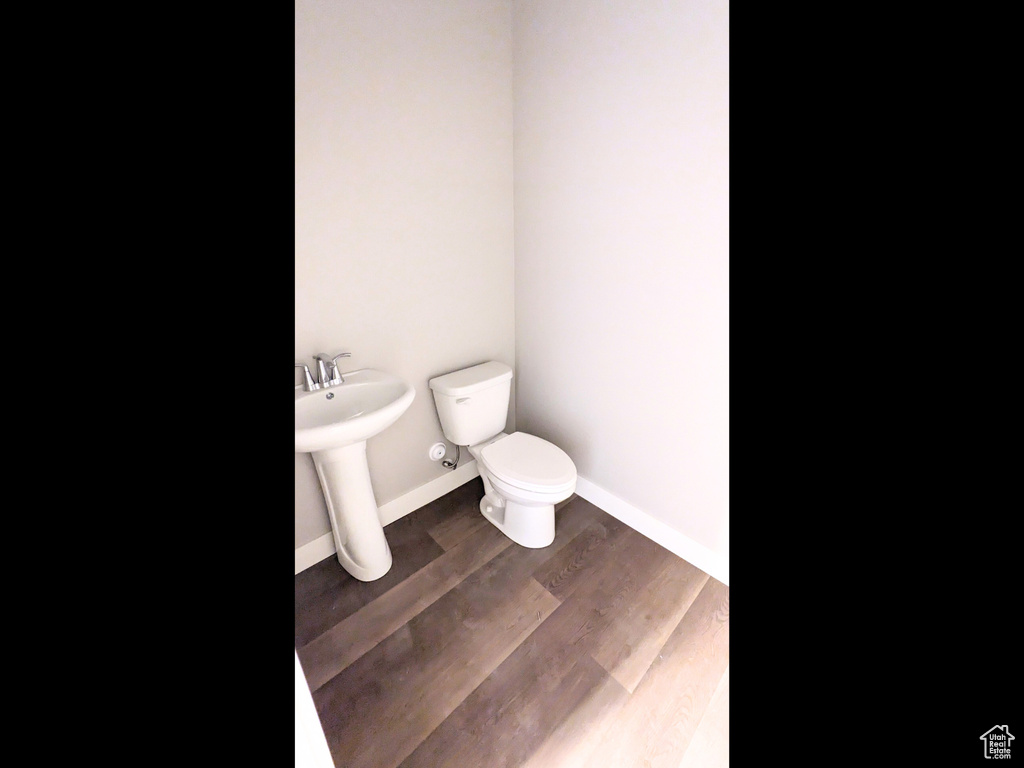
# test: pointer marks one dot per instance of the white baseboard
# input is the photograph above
(319, 548)
(313, 552)
(711, 562)
(427, 492)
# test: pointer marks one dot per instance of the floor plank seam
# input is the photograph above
(347, 641)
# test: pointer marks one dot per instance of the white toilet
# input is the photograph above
(524, 476)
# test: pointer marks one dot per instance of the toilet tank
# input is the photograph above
(473, 403)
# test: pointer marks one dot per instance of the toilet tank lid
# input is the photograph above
(459, 383)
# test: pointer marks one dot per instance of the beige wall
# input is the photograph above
(403, 208)
(622, 248)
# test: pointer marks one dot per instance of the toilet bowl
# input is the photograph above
(524, 475)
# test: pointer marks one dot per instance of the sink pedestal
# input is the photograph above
(358, 535)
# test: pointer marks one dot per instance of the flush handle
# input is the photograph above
(462, 400)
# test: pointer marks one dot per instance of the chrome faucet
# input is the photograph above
(308, 385)
(327, 368)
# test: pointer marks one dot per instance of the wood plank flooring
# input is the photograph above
(603, 648)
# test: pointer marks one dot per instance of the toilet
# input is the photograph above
(524, 475)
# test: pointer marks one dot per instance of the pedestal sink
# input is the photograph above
(333, 424)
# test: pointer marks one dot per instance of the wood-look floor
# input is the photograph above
(602, 649)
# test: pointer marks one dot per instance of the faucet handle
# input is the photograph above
(337, 378)
(309, 384)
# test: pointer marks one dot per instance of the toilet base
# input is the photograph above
(529, 525)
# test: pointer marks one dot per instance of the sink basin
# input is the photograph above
(367, 403)
(333, 425)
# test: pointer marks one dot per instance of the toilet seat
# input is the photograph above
(529, 463)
